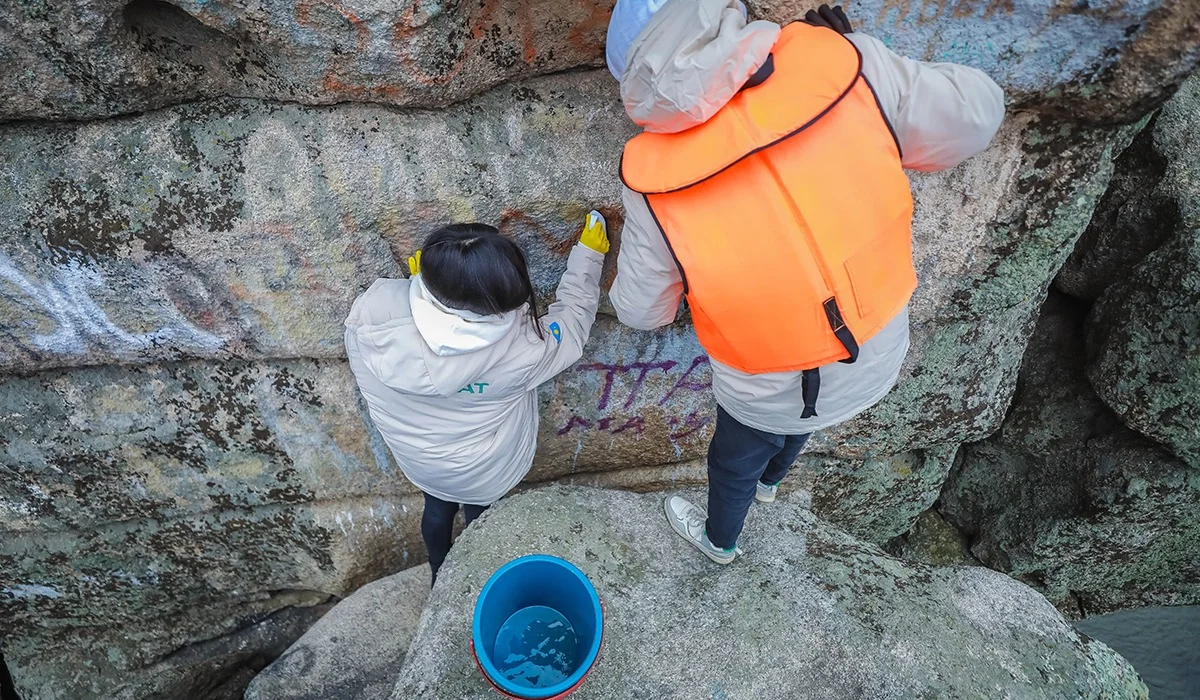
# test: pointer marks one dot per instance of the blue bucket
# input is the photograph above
(538, 628)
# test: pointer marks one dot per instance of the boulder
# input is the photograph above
(1142, 339)
(935, 541)
(1144, 330)
(1138, 259)
(191, 237)
(212, 669)
(356, 650)
(808, 611)
(1133, 219)
(1069, 500)
(94, 58)
(172, 286)
(985, 263)
(1152, 198)
(146, 511)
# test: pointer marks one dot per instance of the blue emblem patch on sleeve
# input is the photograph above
(556, 331)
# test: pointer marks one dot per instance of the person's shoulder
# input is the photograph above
(876, 56)
(385, 300)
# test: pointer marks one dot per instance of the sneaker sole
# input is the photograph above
(764, 499)
(671, 520)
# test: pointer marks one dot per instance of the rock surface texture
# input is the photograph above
(356, 650)
(192, 192)
(1091, 489)
(1068, 499)
(94, 58)
(1143, 335)
(809, 611)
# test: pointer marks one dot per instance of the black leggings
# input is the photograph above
(437, 527)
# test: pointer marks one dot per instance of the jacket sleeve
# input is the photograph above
(568, 323)
(648, 285)
(942, 113)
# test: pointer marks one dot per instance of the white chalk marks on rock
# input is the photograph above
(62, 310)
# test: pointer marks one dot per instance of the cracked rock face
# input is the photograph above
(1068, 499)
(1144, 330)
(95, 58)
(808, 611)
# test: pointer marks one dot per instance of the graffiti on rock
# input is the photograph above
(66, 297)
(620, 415)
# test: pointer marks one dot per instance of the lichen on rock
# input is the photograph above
(808, 611)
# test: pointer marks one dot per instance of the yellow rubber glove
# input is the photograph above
(414, 264)
(595, 233)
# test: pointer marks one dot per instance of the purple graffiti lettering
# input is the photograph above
(610, 373)
(575, 421)
(690, 384)
(690, 425)
(637, 424)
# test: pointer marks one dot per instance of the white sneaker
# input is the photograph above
(766, 494)
(688, 520)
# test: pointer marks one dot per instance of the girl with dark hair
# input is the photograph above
(449, 362)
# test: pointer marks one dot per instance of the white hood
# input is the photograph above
(413, 343)
(450, 332)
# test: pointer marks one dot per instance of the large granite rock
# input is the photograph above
(93, 58)
(183, 455)
(1143, 337)
(239, 229)
(985, 263)
(809, 611)
(1144, 330)
(1134, 218)
(1071, 501)
(145, 511)
(356, 650)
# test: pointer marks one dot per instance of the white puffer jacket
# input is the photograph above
(454, 394)
(680, 66)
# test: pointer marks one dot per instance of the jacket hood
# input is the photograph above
(691, 58)
(412, 343)
(450, 332)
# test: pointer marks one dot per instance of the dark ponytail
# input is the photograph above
(473, 268)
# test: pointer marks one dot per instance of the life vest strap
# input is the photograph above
(843, 334)
(810, 386)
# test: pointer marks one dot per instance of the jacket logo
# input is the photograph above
(476, 388)
(556, 331)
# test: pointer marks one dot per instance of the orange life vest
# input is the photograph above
(788, 212)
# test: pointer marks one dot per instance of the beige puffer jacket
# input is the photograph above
(679, 72)
(454, 394)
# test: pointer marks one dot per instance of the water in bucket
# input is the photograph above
(536, 647)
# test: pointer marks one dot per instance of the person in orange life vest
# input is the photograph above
(768, 187)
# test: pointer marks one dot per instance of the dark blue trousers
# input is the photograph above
(437, 527)
(738, 458)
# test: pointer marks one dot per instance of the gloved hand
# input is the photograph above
(833, 18)
(414, 264)
(595, 233)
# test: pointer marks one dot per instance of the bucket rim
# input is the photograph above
(492, 674)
